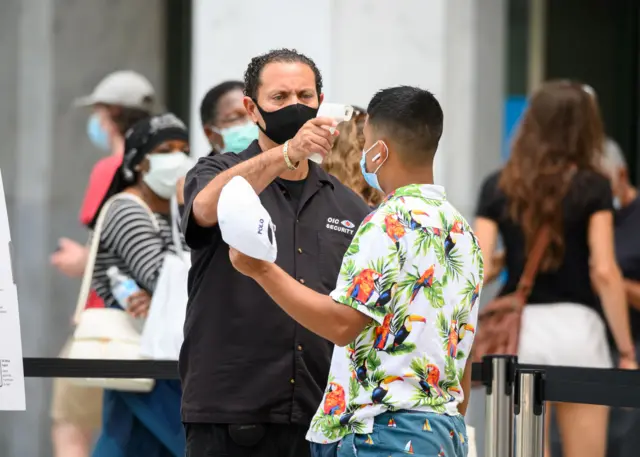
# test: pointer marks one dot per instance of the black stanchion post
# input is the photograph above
(529, 413)
(498, 374)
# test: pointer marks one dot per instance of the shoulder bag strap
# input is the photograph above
(91, 260)
(87, 277)
(141, 202)
(534, 259)
(531, 267)
(174, 219)
(175, 226)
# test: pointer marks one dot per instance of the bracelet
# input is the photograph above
(285, 153)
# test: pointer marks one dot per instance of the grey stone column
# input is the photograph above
(30, 212)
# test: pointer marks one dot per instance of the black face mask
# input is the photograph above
(283, 124)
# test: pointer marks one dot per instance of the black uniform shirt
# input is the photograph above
(244, 360)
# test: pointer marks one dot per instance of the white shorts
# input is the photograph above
(565, 334)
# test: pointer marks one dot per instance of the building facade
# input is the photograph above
(480, 58)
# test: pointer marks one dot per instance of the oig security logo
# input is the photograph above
(337, 225)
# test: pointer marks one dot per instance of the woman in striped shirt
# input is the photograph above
(156, 155)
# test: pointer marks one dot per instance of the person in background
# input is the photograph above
(225, 120)
(344, 160)
(624, 439)
(402, 319)
(553, 176)
(627, 223)
(252, 377)
(121, 99)
(360, 115)
(156, 155)
(225, 123)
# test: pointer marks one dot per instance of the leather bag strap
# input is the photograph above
(534, 260)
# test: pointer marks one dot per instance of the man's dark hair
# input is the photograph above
(410, 117)
(257, 64)
(209, 105)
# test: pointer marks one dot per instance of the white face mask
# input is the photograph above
(164, 171)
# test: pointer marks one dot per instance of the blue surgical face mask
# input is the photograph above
(239, 137)
(98, 136)
(372, 177)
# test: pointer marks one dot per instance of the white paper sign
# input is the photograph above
(12, 396)
(6, 276)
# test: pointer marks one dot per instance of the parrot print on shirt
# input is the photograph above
(415, 269)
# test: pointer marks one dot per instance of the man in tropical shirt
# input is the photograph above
(404, 308)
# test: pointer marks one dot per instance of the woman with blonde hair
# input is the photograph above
(553, 180)
(344, 160)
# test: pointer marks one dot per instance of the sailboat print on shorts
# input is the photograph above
(408, 448)
(392, 423)
(369, 440)
(427, 426)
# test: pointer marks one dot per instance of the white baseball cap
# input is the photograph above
(121, 88)
(245, 224)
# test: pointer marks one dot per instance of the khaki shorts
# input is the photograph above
(80, 406)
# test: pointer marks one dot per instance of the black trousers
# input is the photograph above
(266, 440)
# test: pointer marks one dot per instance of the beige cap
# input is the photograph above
(122, 88)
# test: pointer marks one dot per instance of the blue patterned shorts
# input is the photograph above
(403, 433)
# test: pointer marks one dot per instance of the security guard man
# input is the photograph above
(252, 377)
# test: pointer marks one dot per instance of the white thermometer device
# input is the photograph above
(336, 111)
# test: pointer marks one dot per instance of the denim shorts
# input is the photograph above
(403, 433)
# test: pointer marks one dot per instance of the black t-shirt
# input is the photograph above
(589, 192)
(293, 190)
(244, 360)
(627, 225)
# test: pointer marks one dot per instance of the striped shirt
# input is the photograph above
(130, 241)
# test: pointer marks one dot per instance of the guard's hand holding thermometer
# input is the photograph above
(337, 112)
(313, 137)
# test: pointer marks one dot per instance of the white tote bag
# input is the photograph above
(106, 333)
(163, 332)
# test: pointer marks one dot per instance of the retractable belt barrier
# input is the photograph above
(516, 396)
(562, 384)
(78, 368)
(514, 402)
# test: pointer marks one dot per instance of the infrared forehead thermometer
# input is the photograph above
(336, 111)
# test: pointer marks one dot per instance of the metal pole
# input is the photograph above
(537, 55)
(498, 376)
(529, 413)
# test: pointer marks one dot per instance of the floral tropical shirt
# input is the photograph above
(415, 267)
